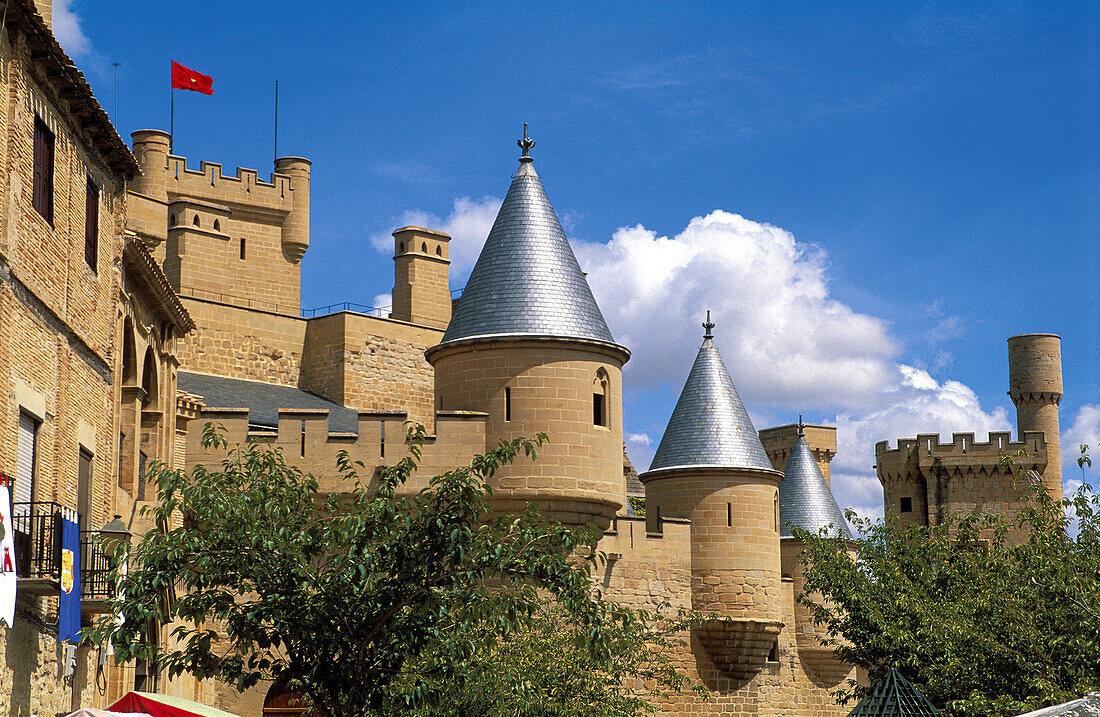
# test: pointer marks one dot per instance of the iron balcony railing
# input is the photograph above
(96, 582)
(36, 528)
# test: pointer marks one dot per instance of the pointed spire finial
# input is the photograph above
(801, 427)
(526, 144)
(708, 325)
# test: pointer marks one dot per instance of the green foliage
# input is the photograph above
(263, 577)
(981, 624)
(637, 502)
(547, 670)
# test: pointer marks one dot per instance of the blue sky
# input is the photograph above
(870, 196)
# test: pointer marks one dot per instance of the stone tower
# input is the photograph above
(528, 346)
(236, 240)
(924, 481)
(806, 501)
(421, 294)
(1035, 386)
(711, 468)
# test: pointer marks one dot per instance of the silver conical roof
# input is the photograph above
(709, 426)
(804, 497)
(527, 281)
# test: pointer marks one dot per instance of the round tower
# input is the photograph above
(711, 468)
(151, 149)
(528, 346)
(806, 501)
(296, 226)
(1035, 386)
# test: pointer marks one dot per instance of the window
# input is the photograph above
(242, 247)
(777, 512)
(729, 515)
(84, 489)
(599, 399)
(42, 198)
(26, 459)
(91, 224)
(906, 505)
(507, 404)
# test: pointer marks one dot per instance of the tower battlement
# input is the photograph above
(962, 453)
(237, 237)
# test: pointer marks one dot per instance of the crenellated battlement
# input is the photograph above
(245, 188)
(962, 453)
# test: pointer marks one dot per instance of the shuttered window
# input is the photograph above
(91, 224)
(84, 489)
(43, 170)
(25, 460)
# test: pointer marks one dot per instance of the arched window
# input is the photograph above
(401, 248)
(149, 380)
(439, 251)
(217, 226)
(424, 247)
(172, 220)
(196, 220)
(600, 386)
(129, 354)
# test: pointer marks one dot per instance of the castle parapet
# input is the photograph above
(963, 453)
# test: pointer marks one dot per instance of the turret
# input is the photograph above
(1035, 386)
(421, 294)
(296, 226)
(805, 501)
(711, 468)
(528, 346)
(151, 149)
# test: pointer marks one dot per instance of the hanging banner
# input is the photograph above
(69, 604)
(7, 558)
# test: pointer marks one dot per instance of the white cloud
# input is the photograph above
(468, 224)
(1084, 429)
(638, 439)
(785, 341)
(66, 27)
(383, 301)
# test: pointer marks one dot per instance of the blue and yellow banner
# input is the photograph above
(69, 603)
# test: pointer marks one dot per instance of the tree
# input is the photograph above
(980, 624)
(348, 597)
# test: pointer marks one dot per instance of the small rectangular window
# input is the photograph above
(84, 489)
(91, 225)
(777, 512)
(729, 515)
(42, 197)
(507, 403)
(599, 410)
(906, 505)
(242, 247)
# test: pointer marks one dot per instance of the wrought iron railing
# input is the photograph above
(96, 582)
(37, 538)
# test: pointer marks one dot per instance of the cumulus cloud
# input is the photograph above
(1085, 429)
(785, 341)
(468, 224)
(638, 439)
(67, 29)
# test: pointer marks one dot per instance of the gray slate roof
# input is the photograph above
(893, 696)
(263, 400)
(710, 426)
(804, 497)
(1087, 706)
(527, 281)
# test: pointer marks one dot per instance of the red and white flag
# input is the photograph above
(185, 78)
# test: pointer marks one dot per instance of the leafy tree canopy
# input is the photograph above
(979, 623)
(373, 599)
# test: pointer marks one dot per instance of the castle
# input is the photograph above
(156, 297)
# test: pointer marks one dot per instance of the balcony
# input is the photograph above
(37, 542)
(36, 528)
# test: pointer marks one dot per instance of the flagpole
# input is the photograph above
(276, 119)
(172, 123)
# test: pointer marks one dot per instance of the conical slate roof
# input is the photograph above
(893, 696)
(527, 281)
(804, 497)
(710, 426)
